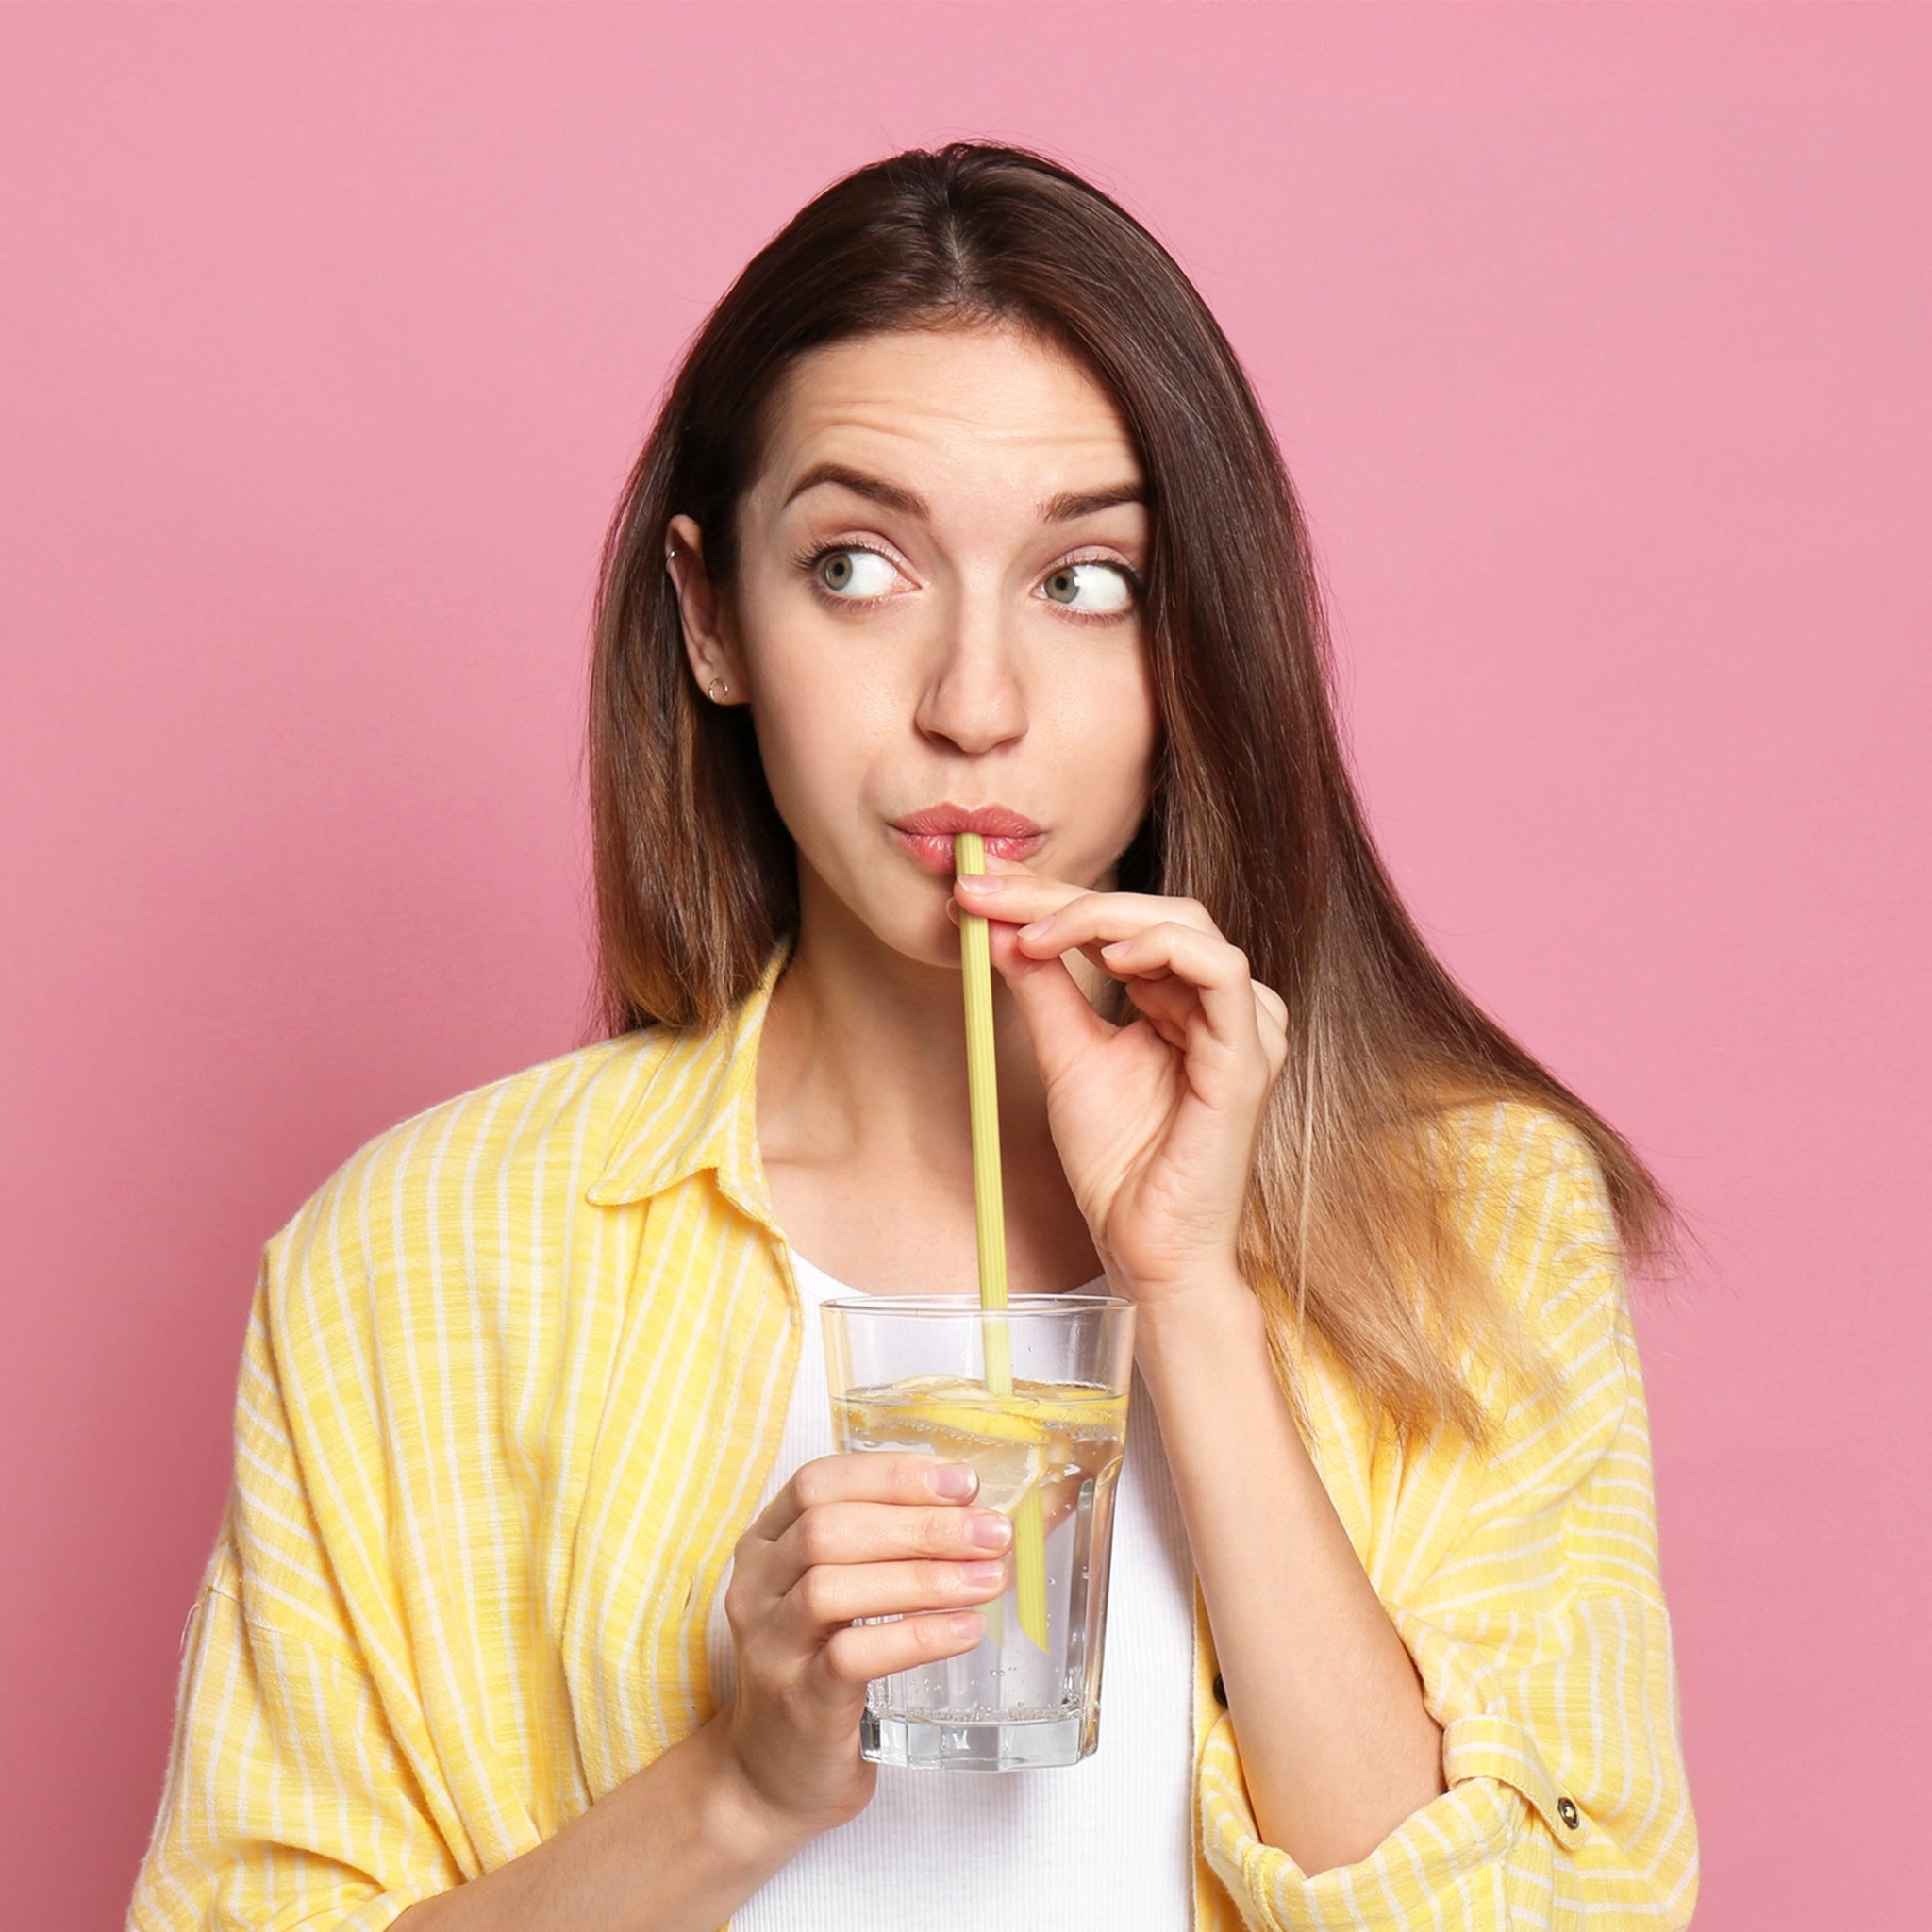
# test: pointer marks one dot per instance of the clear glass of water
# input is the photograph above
(910, 1372)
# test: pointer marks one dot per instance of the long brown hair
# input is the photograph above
(1254, 813)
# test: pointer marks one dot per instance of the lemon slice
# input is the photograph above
(1064, 1411)
(1008, 1472)
(979, 1419)
(1008, 1437)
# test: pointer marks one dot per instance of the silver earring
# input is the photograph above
(718, 691)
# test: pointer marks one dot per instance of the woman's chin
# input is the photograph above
(922, 935)
(924, 945)
(908, 930)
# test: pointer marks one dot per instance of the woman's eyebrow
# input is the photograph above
(1064, 508)
(1086, 503)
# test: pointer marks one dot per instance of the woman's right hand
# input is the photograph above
(859, 1535)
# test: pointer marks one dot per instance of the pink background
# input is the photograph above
(1598, 342)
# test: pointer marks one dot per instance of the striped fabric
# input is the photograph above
(513, 1381)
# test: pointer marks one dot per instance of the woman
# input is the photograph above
(535, 1602)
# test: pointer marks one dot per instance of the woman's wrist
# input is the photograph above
(1315, 1673)
(735, 1817)
(677, 1847)
(1214, 1314)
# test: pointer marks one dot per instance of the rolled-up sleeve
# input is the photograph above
(1525, 1583)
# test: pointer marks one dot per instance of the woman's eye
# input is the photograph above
(857, 573)
(1096, 590)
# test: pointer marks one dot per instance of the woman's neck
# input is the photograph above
(863, 1129)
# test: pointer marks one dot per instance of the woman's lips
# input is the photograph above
(928, 834)
(934, 850)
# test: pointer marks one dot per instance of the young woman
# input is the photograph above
(534, 1606)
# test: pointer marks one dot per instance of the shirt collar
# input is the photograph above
(697, 1107)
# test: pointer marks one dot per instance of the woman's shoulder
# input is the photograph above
(1520, 1187)
(541, 1131)
(1494, 1157)
(1540, 1325)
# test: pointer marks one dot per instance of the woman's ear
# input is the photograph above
(707, 646)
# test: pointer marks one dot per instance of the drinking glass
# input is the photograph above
(911, 1372)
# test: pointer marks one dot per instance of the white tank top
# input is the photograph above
(1108, 1842)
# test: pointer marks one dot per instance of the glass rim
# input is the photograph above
(957, 1306)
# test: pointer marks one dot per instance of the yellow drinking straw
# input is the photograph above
(989, 1219)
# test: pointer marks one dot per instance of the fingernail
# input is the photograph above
(982, 882)
(966, 1624)
(957, 1482)
(977, 1575)
(987, 1529)
(1036, 929)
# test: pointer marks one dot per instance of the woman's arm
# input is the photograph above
(304, 1784)
(681, 1844)
(1156, 1125)
(1336, 1746)
(287, 1785)
(1523, 1581)
(677, 1847)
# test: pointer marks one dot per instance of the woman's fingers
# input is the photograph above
(870, 1476)
(1216, 971)
(1113, 928)
(1017, 898)
(884, 1533)
(834, 1595)
(1060, 1020)
(1166, 1004)
(1271, 1016)
(1175, 962)
(856, 1536)
(826, 1517)
(862, 1536)
(856, 1654)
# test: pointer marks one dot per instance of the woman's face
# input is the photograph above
(937, 614)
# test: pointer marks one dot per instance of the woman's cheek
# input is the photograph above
(787, 761)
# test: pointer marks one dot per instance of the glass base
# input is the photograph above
(1005, 1743)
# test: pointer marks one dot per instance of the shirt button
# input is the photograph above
(1220, 1691)
(1566, 1811)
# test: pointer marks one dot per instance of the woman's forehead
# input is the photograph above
(947, 409)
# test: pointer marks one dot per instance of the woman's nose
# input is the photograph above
(971, 697)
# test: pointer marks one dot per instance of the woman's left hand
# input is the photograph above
(1156, 1121)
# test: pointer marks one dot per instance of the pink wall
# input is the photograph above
(1598, 342)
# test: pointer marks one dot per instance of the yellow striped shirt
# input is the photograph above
(513, 1380)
